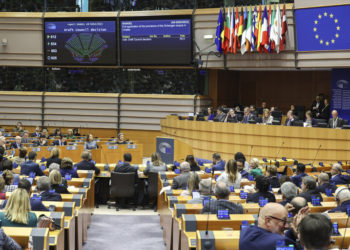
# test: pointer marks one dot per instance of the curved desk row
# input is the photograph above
(263, 141)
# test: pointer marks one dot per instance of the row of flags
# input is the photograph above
(253, 30)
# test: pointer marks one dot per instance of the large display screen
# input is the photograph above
(156, 41)
(85, 42)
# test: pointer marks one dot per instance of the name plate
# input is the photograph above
(71, 147)
(113, 147)
(49, 148)
(36, 149)
(131, 146)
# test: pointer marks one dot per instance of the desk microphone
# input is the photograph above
(251, 150)
(312, 164)
(279, 150)
(207, 243)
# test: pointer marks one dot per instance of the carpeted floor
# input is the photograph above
(124, 232)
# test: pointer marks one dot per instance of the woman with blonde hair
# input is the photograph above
(54, 158)
(156, 165)
(267, 117)
(192, 184)
(256, 170)
(56, 182)
(231, 176)
(17, 211)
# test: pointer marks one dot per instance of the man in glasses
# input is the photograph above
(272, 223)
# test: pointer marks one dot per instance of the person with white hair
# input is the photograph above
(3, 142)
(17, 143)
(180, 182)
(289, 190)
(342, 197)
(337, 177)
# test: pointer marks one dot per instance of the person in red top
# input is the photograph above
(2, 187)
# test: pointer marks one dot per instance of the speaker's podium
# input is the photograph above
(171, 149)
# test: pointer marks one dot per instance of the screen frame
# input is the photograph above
(146, 18)
(77, 19)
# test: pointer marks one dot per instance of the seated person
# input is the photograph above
(218, 164)
(323, 184)
(308, 188)
(17, 211)
(57, 133)
(121, 139)
(231, 176)
(300, 173)
(262, 187)
(192, 184)
(17, 143)
(222, 193)
(231, 117)
(19, 127)
(90, 143)
(342, 197)
(290, 119)
(70, 134)
(43, 188)
(9, 180)
(335, 121)
(37, 132)
(271, 173)
(35, 203)
(267, 117)
(25, 138)
(180, 181)
(248, 116)
(240, 167)
(255, 168)
(156, 165)
(42, 142)
(337, 177)
(67, 168)
(220, 115)
(22, 156)
(6, 242)
(76, 132)
(309, 121)
(86, 163)
(296, 204)
(211, 114)
(239, 157)
(30, 166)
(193, 164)
(56, 182)
(289, 191)
(204, 191)
(60, 142)
(54, 158)
(2, 189)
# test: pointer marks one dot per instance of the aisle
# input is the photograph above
(125, 229)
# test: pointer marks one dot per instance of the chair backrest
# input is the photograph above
(317, 121)
(153, 184)
(277, 115)
(122, 185)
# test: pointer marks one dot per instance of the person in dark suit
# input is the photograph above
(342, 197)
(325, 111)
(231, 117)
(317, 106)
(56, 182)
(43, 187)
(335, 121)
(262, 187)
(180, 182)
(288, 190)
(248, 116)
(30, 165)
(17, 143)
(323, 184)
(299, 175)
(37, 132)
(67, 168)
(25, 137)
(35, 203)
(308, 188)
(218, 163)
(193, 164)
(60, 142)
(272, 175)
(126, 167)
(337, 177)
(290, 119)
(309, 121)
(220, 115)
(222, 193)
(55, 157)
(86, 163)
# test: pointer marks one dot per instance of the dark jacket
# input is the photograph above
(72, 172)
(59, 143)
(30, 166)
(341, 208)
(53, 160)
(338, 123)
(244, 174)
(340, 179)
(50, 196)
(254, 197)
(14, 145)
(126, 167)
(220, 118)
(219, 166)
(180, 182)
(60, 189)
(35, 134)
(87, 165)
(298, 179)
(325, 113)
(309, 193)
(274, 182)
(195, 167)
(322, 188)
(289, 122)
(213, 206)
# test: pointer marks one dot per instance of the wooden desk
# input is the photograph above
(21, 236)
(226, 138)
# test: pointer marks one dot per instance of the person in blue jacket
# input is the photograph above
(300, 173)
(342, 197)
(337, 177)
(31, 166)
(218, 163)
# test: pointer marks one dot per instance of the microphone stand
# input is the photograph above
(207, 243)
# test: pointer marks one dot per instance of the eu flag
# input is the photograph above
(219, 29)
(323, 28)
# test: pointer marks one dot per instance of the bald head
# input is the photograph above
(271, 218)
(298, 203)
(323, 178)
(334, 114)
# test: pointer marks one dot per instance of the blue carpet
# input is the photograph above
(124, 232)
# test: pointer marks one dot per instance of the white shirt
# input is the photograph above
(224, 177)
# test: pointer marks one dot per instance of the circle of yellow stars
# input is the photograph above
(315, 29)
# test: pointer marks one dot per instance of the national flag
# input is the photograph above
(235, 43)
(254, 30)
(284, 29)
(240, 29)
(265, 32)
(259, 35)
(244, 32)
(249, 31)
(276, 30)
(219, 28)
(225, 34)
(271, 21)
(232, 29)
